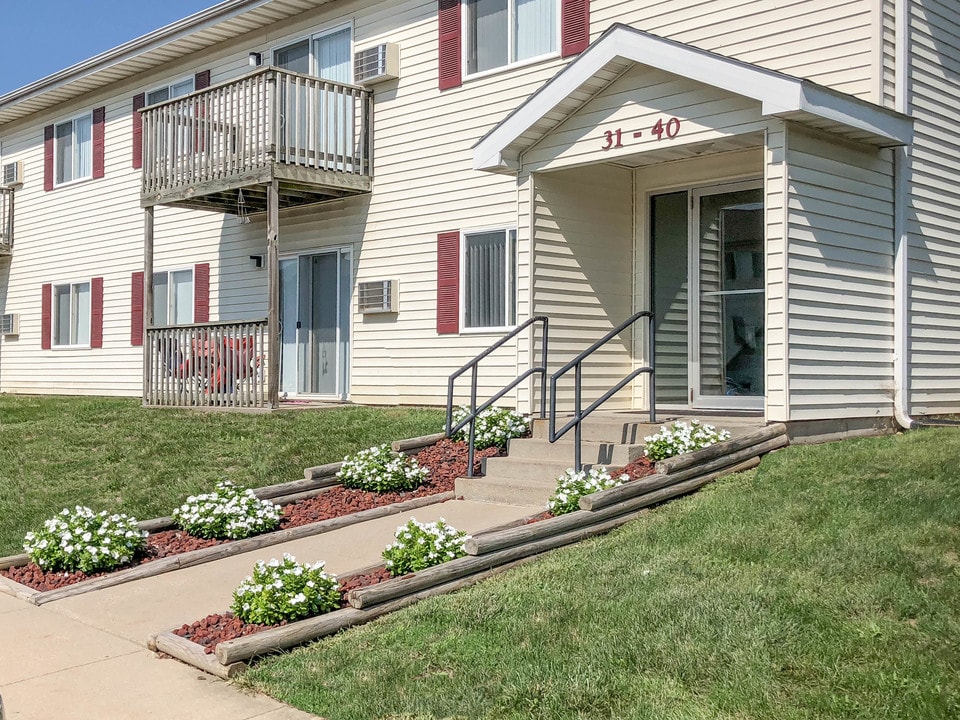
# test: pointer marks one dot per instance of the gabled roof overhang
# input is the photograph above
(621, 47)
(224, 21)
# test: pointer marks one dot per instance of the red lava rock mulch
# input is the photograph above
(447, 460)
(215, 629)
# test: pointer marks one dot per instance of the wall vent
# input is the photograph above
(10, 324)
(377, 64)
(378, 296)
(12, 174)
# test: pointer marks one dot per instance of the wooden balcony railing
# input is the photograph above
(240, 132)
(6, 221)
(207, 365)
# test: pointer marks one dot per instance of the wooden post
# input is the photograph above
(148, 214)
(273, 294)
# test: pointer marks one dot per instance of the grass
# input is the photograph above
(112, 454)
(824, 584)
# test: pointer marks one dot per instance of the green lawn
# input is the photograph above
(112, 454)
(824, 584)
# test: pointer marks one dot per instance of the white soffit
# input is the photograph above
(621, 46)
(223, 21)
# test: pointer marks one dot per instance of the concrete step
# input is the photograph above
(510, 491)
(522, 468)
(601, 428)
(563, 450)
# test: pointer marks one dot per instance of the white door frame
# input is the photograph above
(711, 402)
(344, 255)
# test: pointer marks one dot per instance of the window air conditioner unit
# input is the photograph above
(377, 64)
(12, 174)
(378, 296)
(10, 324)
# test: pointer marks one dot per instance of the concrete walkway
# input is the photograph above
(84, 657)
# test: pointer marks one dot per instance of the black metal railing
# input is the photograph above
(474, 365)
(577, 365)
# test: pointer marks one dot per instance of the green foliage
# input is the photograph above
(285, 590)
(494, 426)
(682, 437)
(227, 513)
(824, 584)
(379, 469)
(84, 540)
(112, 453)
(572, 485)
(422, 545)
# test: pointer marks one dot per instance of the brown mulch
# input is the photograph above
(447, 460)
(214, 629)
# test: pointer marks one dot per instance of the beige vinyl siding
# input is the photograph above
(840, 279)
(829, 41)
(635, 102)
(933, 221)
(888, 78)
(775, 265)
(583, 273)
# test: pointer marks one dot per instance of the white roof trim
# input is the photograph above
(777, 93)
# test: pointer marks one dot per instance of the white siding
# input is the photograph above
(635, 103)
(840, 279)
(830, 41)
(583, 273)
(775, 265)
(933, 219)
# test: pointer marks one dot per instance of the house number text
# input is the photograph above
(613, 139)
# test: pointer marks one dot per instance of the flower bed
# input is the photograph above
(446, 461)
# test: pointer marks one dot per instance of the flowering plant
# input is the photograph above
(571, 486)
(285, 590)
(422, 545)
(494, 426)
(84, 540)
(227, 513)
(682, 438)
(379, 469)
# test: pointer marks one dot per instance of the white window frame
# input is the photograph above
(169, 309)
(55, 315)
(169, 88)
(512, 62)
(74, 178)
(309, 39)
(510, 286)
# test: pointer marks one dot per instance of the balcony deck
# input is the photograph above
(6, 221)
(221, 148)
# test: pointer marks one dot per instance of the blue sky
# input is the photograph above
(41, 37)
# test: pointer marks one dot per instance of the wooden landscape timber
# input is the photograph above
(671, 465)
(193, 654)
(413, 445)
(235, 547)
(629, 490)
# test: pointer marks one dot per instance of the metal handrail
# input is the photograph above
(577, 363)
(474, 365)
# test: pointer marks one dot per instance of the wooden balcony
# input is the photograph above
(221, 148)
(6, 221)
(220, 365)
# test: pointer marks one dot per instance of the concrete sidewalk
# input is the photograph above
(84, 657)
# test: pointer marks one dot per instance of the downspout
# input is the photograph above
(901, 266)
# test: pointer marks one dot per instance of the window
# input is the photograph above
(71, 314)
(176, 90)
(73, 149)
(489, 275)
(501, 32)
(173, 298)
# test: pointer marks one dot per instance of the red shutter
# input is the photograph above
(448, 16)
(201, 81)
(96, 313)
(448, 283)
(99, 121)
(136, 309)
(201, 293)
(138, 102)
(48, 158)
(46, 315)
(574, 26)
